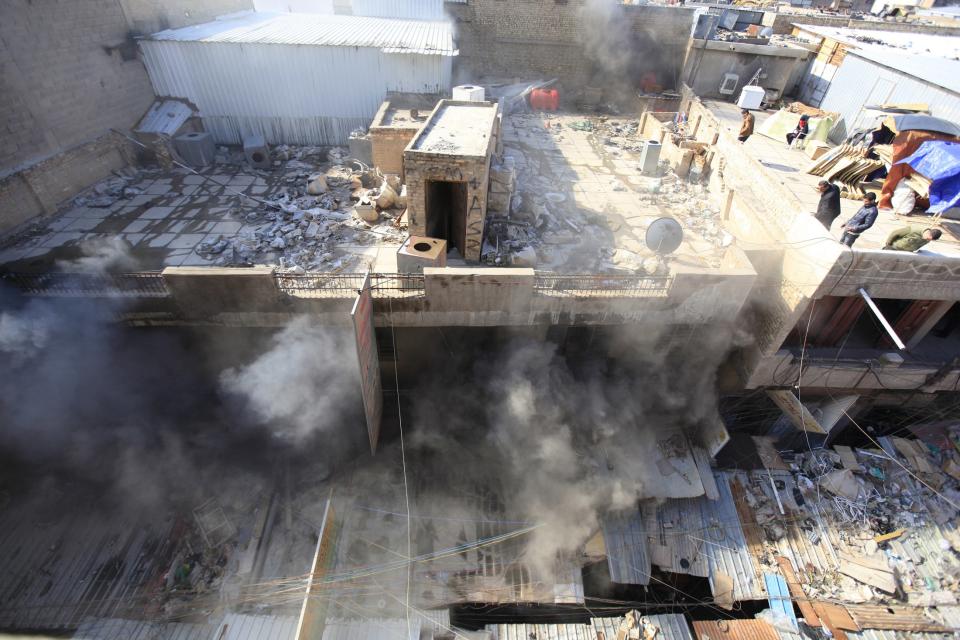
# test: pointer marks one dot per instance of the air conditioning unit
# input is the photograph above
(729, 84)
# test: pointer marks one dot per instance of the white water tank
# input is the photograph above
(750, 97)
(469, 93)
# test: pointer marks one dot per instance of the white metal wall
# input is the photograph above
(860, 82)
(292, 94)
(408, 9)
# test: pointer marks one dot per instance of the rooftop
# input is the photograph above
(790, 167)
(935, 59)
(458, 129)
(582, 172)
(388, 35)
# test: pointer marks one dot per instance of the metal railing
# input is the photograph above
(601, 286)
(346, 285)
(150, 284)
(145, 284)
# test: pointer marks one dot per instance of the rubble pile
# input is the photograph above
(860, 525)
(108, 192)
(324, 205)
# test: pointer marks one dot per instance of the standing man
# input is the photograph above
(861, 220)
(911, 238)
(828, 209)
(746, 127)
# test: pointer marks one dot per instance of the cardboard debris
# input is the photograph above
(874, 572)
(841, 482)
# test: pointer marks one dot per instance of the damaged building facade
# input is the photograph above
(557, 358)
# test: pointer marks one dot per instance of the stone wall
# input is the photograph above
(543, 39)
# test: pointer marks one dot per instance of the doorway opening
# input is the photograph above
(446, 205)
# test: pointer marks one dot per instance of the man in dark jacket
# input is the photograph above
(861, 221)
(829, 206)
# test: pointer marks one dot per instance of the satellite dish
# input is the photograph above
(664, 236)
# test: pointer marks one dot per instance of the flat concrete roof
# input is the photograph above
(457, 129)
(790, 166)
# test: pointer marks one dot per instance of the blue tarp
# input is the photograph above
(939, 161)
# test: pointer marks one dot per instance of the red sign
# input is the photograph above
(369, 361)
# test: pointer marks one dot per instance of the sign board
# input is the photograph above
(313, 611)
(792, 407)
(369, 361)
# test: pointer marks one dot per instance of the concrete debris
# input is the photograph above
(108, 192)
(531, 203)
(860, 527)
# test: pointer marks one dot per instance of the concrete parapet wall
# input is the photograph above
(204, 292)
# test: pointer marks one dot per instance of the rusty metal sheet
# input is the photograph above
(734, 630)
(894, 617)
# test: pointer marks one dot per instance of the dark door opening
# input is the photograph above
(446, 204)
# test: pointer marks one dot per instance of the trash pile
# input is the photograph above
(107, 192)
(859, 524)
(323, 206)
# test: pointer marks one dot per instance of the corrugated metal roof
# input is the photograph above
(386, 34)
(627, 557)
(886, 634)
(166, 117)
(370, 629)
(118, 629)
(670, 627)
(734, 630)
(894, 41)
(673, 626)
(871, 616)
(937, 70)
(725, 545)
(236, 626)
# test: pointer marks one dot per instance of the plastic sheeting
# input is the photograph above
(783, 122)
(939, 161)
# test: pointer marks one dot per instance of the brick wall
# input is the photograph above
(64, 83)
(149, 16)
(572, 40)
(388, 144)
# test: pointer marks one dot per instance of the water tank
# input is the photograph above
(545, 99)
(469, 93)
(650, 158)
(750, 97)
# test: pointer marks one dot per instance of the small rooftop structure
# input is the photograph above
(327, 73)
(447, 168)
(398, 120)
(458, 128)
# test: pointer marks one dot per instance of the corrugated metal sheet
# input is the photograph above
(734, 630)
(289, 94)
(165, 117)
(870, 616)
(860, 82)
(627, 557)
(725, 545)
(884, 634)
(673, 626)
(370, 629)
(118, 629)
(389, 35)
(408, 9)
(61, 571)
(670, 626)
(236, 626)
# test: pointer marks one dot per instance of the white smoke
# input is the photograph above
(304, 384)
